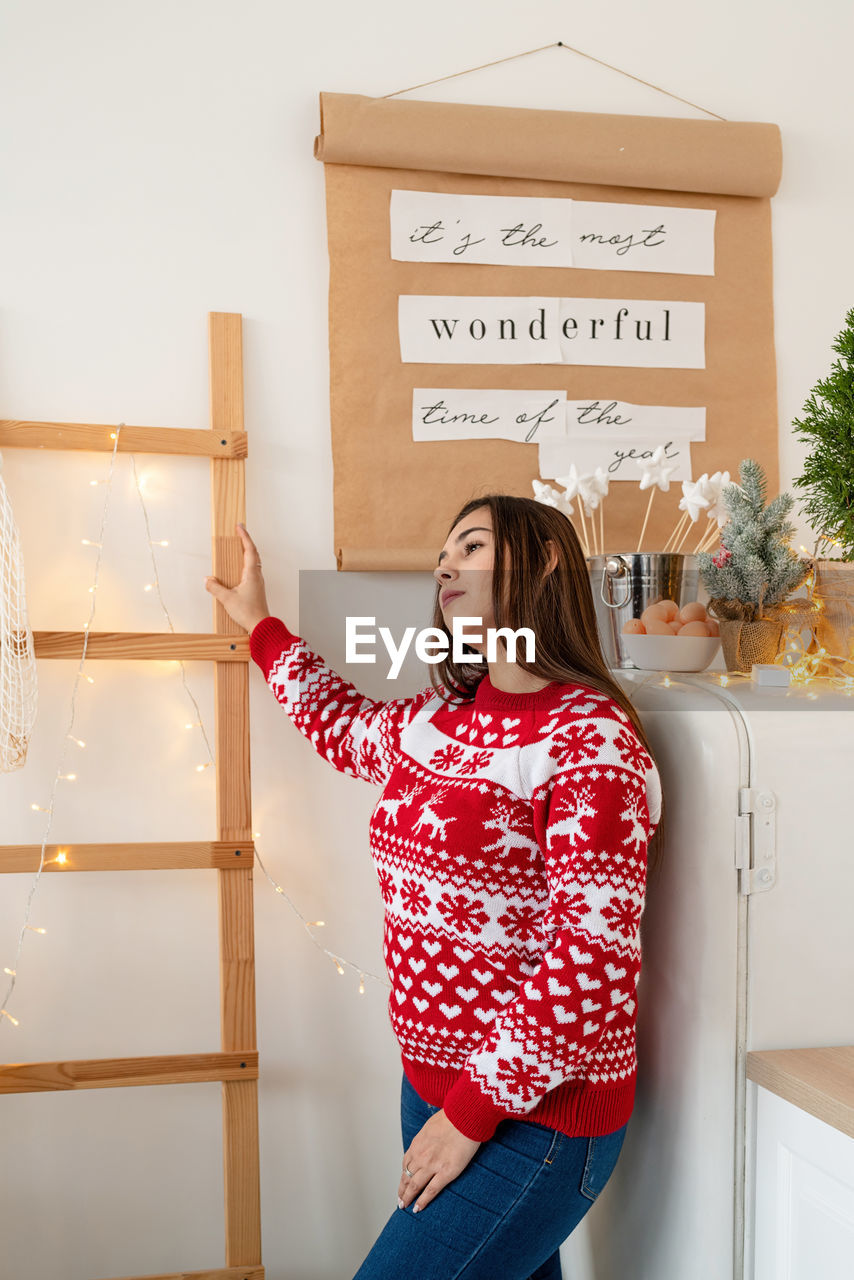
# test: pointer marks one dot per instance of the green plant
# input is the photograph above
(827, 424)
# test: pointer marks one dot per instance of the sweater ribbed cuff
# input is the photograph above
(268, 640)
(470, 1111)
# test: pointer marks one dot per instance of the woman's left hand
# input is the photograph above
(438, 1154)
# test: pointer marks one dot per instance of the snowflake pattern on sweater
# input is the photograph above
(509, 842)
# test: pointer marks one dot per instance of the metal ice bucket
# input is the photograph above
(625, 583)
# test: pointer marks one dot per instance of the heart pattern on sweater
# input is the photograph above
(598, 793)
(563, 1015)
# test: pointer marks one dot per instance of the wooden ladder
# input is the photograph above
(232, 853)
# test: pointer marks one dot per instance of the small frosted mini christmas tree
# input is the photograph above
(755, 567)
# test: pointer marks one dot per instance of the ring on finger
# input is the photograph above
(408, 1171)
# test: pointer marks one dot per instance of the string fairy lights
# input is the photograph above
(12, 971)
(340, 962)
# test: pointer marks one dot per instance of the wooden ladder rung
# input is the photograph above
(219, 1273)
(159, 646)
(170, 855)
(96, 436)
(111, 1073)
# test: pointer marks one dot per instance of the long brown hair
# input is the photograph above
(557, 606)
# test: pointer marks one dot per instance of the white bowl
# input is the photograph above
(671, 653)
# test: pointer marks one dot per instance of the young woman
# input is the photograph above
(510, 842)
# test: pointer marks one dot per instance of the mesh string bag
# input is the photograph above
(18, 681)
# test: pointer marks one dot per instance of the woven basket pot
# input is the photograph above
(744, 643)
(834, 626)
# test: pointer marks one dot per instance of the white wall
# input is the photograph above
(158, 165)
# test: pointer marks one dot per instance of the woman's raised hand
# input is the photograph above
(247, 602)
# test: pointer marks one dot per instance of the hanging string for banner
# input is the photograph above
(558, 44)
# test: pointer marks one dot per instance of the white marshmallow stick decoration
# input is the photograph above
(593, 486)
(655, 474)
(696, 494)
(551, 497)
(716, 513)
(572, 483)
(717, 510)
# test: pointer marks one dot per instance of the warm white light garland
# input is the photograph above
(339, 961)
(13, 971)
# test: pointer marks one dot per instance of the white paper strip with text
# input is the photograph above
(430, 226)
(467, 414)
(638, 237)
(637, 333)
(615, 456)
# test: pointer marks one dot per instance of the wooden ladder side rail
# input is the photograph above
(241, 1170)
(236, 1065)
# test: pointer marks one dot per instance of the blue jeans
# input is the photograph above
(506, 1215)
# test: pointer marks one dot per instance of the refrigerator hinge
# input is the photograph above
(756, 840)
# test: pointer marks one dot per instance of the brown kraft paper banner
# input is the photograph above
(394, 498)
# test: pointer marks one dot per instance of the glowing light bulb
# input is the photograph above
(79, 741)
(69, 777)
(316, 924)
(112, 435)
(36, 928)
(9, 1016)
(361, 984)
(149, 586)
(89, 678)
(62, 858)
(40, 808)
(339, 967)
(158, 544)
(12, 972)
(87, 543)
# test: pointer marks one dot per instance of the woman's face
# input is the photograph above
(465, 567)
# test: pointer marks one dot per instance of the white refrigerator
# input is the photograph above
(746, 944)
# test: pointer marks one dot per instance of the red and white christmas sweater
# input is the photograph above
(509, 842)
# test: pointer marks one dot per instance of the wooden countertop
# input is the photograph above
(820, 1081)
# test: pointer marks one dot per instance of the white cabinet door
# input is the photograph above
(803, 1195)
